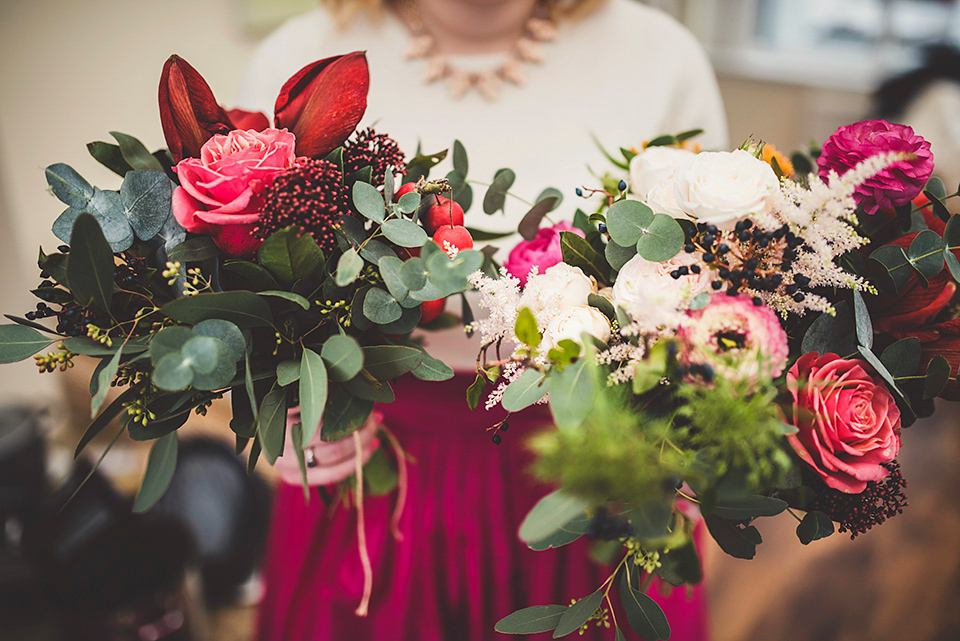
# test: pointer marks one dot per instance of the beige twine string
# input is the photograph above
(401, 485)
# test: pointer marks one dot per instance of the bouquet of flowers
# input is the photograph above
(277, 264)
(736, 335)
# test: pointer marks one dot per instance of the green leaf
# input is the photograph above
(387, 362)
(938, 373)
(627, 221)
(272, 423)
(390, 267)
(564, 535)
(579, 253)
(348, 267)
(368, 201)
(926, 253)
(168, 341)
(550, 514)
(136, 155)
(537, 618)
(367, 388)
(618, 256)
(380, 307)
(902, 358)
(832, 333)
(252, 276)
(18, 342)
(618, 636)
(243, 421)
(90, 265)
(161, 464)
(409, 318)
(475, 392)
(496, 195)
(578, 614)
(530, 223)
(524, 391)
(460, 164)
(107, 208)
(373, 250)
(815, 525)
(290, 255)
(651, 519)
(289, 296)
(111, 412)
(862, 317)
(288, 372)
(104, 377)
(224, 331)
(404, 232)
(200, 353)
(894, 264)
(109, 156)
(313, 393)
(432, 369)
(525, 328)
(572, 394)
(344, 415)
(409, 202)
(645, 616)
(243, 309)
(69, 186)
(661, 240)
(146, 198)
(194, 250)
(343, 357)
(421, 165)
(172, 373)
(748, 507)
(413, 274)
(738, 542)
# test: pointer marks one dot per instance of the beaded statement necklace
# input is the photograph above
(540, 27)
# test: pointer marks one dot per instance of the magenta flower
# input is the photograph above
(543, 251)
(896, 185)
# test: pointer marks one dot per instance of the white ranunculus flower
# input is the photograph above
(572, 323)
(651, 295)
(654, 165)
(558, 288)
(720, 187)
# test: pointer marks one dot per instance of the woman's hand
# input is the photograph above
(327, 462)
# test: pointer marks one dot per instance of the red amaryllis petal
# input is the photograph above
(243, 119)
(323, 102)
(189, 112)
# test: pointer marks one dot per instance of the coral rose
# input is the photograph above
(543, 251)
(219, 192)
(848, 422)
(896, 185)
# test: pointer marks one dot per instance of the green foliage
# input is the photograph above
(538, 618)
(161, 463)
(18, 342)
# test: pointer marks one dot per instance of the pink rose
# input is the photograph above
(896, 185)
(219, 192)
(848, 422)
(543, 251)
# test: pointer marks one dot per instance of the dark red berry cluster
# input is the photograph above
(311, 196)
(857, 513)
(379, 151)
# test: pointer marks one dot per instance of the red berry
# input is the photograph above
(405, 188)
(443, 212)
(430, 310)
(456, 235)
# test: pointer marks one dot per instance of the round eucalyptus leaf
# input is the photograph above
(343, 356)
(224, 331)
(368, 201)
(627, 221)
(390, 267)
(404, 232)
(409, 202)
(169, 341)
(413, 274)
(380, 307)
(200, 353)
(348, 267)
(172, 373)
(662, 239)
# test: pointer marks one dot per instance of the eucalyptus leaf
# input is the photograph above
(578, 614)
(290, 255)
(432, 369)
(348, 267)
(288, 372)
(69, 186)
(343, 357)
(313, 393)
(243, 309)
(111, 412)
(387, 362)
(168, 340)
(272, 423)
(523, 392)
(926, 253)
(135, 154)
(161, 464)
(90, 265)
(172, 373)
(344, 414)
(146, 197)
(617, 255)
(496, 195)
(413, 274)
(738, 542)
(409, 202)
(530, 223)
(572, 394)
(18, 342)
(408, 321)
(627, 221)
(862, 318)
(902, 358)
(550, 514)
(404, 232)
(104, 377)
(748, 507)
(645, 616)
(253, 276)
(579, 253)
(109, 156)
(894, 264)
(288, 296)
(194, 250)
(373, 250)
(368, 201)
(564, 535)
(537, 618)
(380, 307)
(815, 525)
(662, 239)
(367, 388)
(224, 331)
(937, 376)
(460, 163)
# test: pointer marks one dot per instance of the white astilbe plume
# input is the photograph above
(501, 296)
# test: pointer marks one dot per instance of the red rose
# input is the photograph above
(219, 192)
(848, 422)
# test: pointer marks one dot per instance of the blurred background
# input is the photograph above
(790, 71)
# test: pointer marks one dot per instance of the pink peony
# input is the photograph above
(895, 185)
(848, 422)
(543, 251)
(219, 192)
(740, 340)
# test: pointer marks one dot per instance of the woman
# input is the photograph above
(615, 70)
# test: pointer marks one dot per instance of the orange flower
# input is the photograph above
(770, 153)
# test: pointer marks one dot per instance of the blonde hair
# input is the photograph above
(346, 10)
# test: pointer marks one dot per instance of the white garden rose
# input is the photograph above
(654, 165)
(653, 297)
(662, 200)
(572, 323)
(558, 288)
(719, 188)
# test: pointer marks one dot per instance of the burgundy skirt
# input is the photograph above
(459, 567)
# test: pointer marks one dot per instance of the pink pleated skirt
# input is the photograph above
(459, 567)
